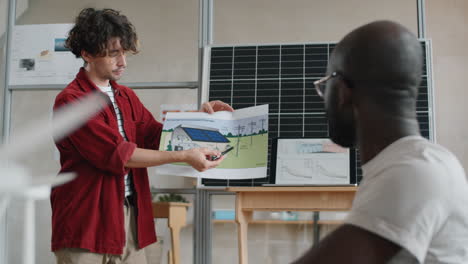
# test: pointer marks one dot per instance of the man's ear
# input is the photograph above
(86, 56)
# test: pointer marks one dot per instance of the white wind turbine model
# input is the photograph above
(16, 181)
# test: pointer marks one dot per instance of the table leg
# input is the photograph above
(316, 228)
(242, 220)
(169, 257)
(175, 236)
(176, 221)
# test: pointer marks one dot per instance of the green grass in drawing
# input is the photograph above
(248, 152)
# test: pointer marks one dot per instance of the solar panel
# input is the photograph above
(205, 135)
(282, 76)
(215, 136)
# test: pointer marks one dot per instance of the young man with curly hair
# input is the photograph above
(105, 214)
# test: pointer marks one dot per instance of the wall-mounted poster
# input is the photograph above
(39, 56)
(310, 161)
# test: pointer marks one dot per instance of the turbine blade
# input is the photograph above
(64, 121)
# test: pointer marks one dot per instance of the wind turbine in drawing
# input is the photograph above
(18, 182)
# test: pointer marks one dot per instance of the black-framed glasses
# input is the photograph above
(321, 84)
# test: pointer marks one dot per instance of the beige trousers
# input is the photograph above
(131, 253)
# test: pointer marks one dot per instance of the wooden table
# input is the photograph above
(249, 199)
(176, 214)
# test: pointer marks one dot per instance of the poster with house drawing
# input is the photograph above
(246, 130)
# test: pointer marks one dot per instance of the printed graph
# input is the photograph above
(311, 161)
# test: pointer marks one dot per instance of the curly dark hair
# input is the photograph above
(94, 28)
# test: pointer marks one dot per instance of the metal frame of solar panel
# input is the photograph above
(282, 76)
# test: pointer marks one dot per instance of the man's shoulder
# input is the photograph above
(70, 93)
(437, 161)
(428, 172)
(413, 155)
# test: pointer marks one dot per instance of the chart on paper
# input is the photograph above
(311, 161)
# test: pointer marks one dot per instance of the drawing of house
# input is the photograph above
(188, 137)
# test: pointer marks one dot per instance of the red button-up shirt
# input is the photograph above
(88, 211)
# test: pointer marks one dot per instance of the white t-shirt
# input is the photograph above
(108, 90)
(415, 194)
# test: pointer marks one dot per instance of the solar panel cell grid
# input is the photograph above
(282, 76)
(205, 135)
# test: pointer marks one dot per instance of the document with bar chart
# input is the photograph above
(311, 161)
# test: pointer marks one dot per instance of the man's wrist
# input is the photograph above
(178, 156)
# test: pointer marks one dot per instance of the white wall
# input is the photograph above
(446, 26)
(293, 21)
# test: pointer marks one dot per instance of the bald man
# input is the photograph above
(412, 204)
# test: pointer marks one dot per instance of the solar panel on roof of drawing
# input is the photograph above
(205, 135)
(195, 134)
(215, 136)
